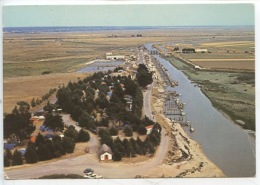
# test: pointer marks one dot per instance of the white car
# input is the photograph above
(93, 176)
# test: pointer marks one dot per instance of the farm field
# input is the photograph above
(25, 88)
(235, 55)
(231, 92)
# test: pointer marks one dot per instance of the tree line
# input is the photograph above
(45, 149)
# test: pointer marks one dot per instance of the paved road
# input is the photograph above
(107, 170)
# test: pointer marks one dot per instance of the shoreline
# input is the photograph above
(185, 157)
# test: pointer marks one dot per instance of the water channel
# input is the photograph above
(226, 144)
(101, 65)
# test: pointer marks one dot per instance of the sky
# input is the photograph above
(129, 15)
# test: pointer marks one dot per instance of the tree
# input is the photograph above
(71, 132)
(23, 106)
(17, 158)
(83, 136)
(39, 139)
(113, 131)
(102, 101)
(117, 156)
(58, 148)
(143, 76)
(54, 122)
(86, 120)
(33, 103)
(45, 151)
(7, 158)
(142, 130)
(68, 144)
(128, 131)
(31, 155)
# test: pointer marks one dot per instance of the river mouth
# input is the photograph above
(226, 144)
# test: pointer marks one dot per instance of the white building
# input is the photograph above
(115, 57)
(201, 50)
(105, 153)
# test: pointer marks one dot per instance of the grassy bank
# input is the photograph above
(230, 92)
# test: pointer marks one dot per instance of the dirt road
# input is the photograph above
(106, 169)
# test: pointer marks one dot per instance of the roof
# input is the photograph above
(149, 127)
(103, 149)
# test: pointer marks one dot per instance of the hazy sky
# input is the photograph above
(129, 15)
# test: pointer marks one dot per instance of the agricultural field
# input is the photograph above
(34, 63)
(231, 92)
(34, 54)
(236, 55)
(27, 88)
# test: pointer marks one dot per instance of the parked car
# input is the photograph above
(88, 171)
(93, 176)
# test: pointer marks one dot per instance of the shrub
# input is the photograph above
(83, 136)
(113, 131)
(128, 131)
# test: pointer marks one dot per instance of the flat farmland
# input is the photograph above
(33, 54)
(25, 88)
(232, 64)
(228, 55)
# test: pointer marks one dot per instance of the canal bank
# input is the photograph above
(226, 144)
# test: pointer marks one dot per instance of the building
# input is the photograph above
(105, 153)
(188, 50)
(109, 56)
(201, 50)
(115, 57)
(149, 129)
(129, 102)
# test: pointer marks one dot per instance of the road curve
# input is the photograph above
(107, 170)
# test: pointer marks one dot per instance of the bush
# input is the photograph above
(142, 130)
(117, 156)
(83, 136)
(68, 144)
(17, 158)
(113, 131)
(128, 131)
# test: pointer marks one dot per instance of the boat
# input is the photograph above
(191, 128)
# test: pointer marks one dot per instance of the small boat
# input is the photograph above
(191, 128)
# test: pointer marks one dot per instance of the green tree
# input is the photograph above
(17, 158)
(142, 130)
(143, 76)
(86, 120)
(31, 155)
(54, 122)
(33, 103)
(6, 161)
(71, 132)
(7, 158)
(117, 156)
(102, 101)
(58, 148)
(39, 139)
(128, 131)
(83, 136)
(113, 131)
(68, 144)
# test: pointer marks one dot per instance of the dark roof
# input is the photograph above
(104, 148)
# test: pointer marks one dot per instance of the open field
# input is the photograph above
(25, 88)
(231, 92)
(33, 54)
(231, 64)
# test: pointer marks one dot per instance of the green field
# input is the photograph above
(231, 92)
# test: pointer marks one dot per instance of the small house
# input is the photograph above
(149, 129)
(105, 153)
